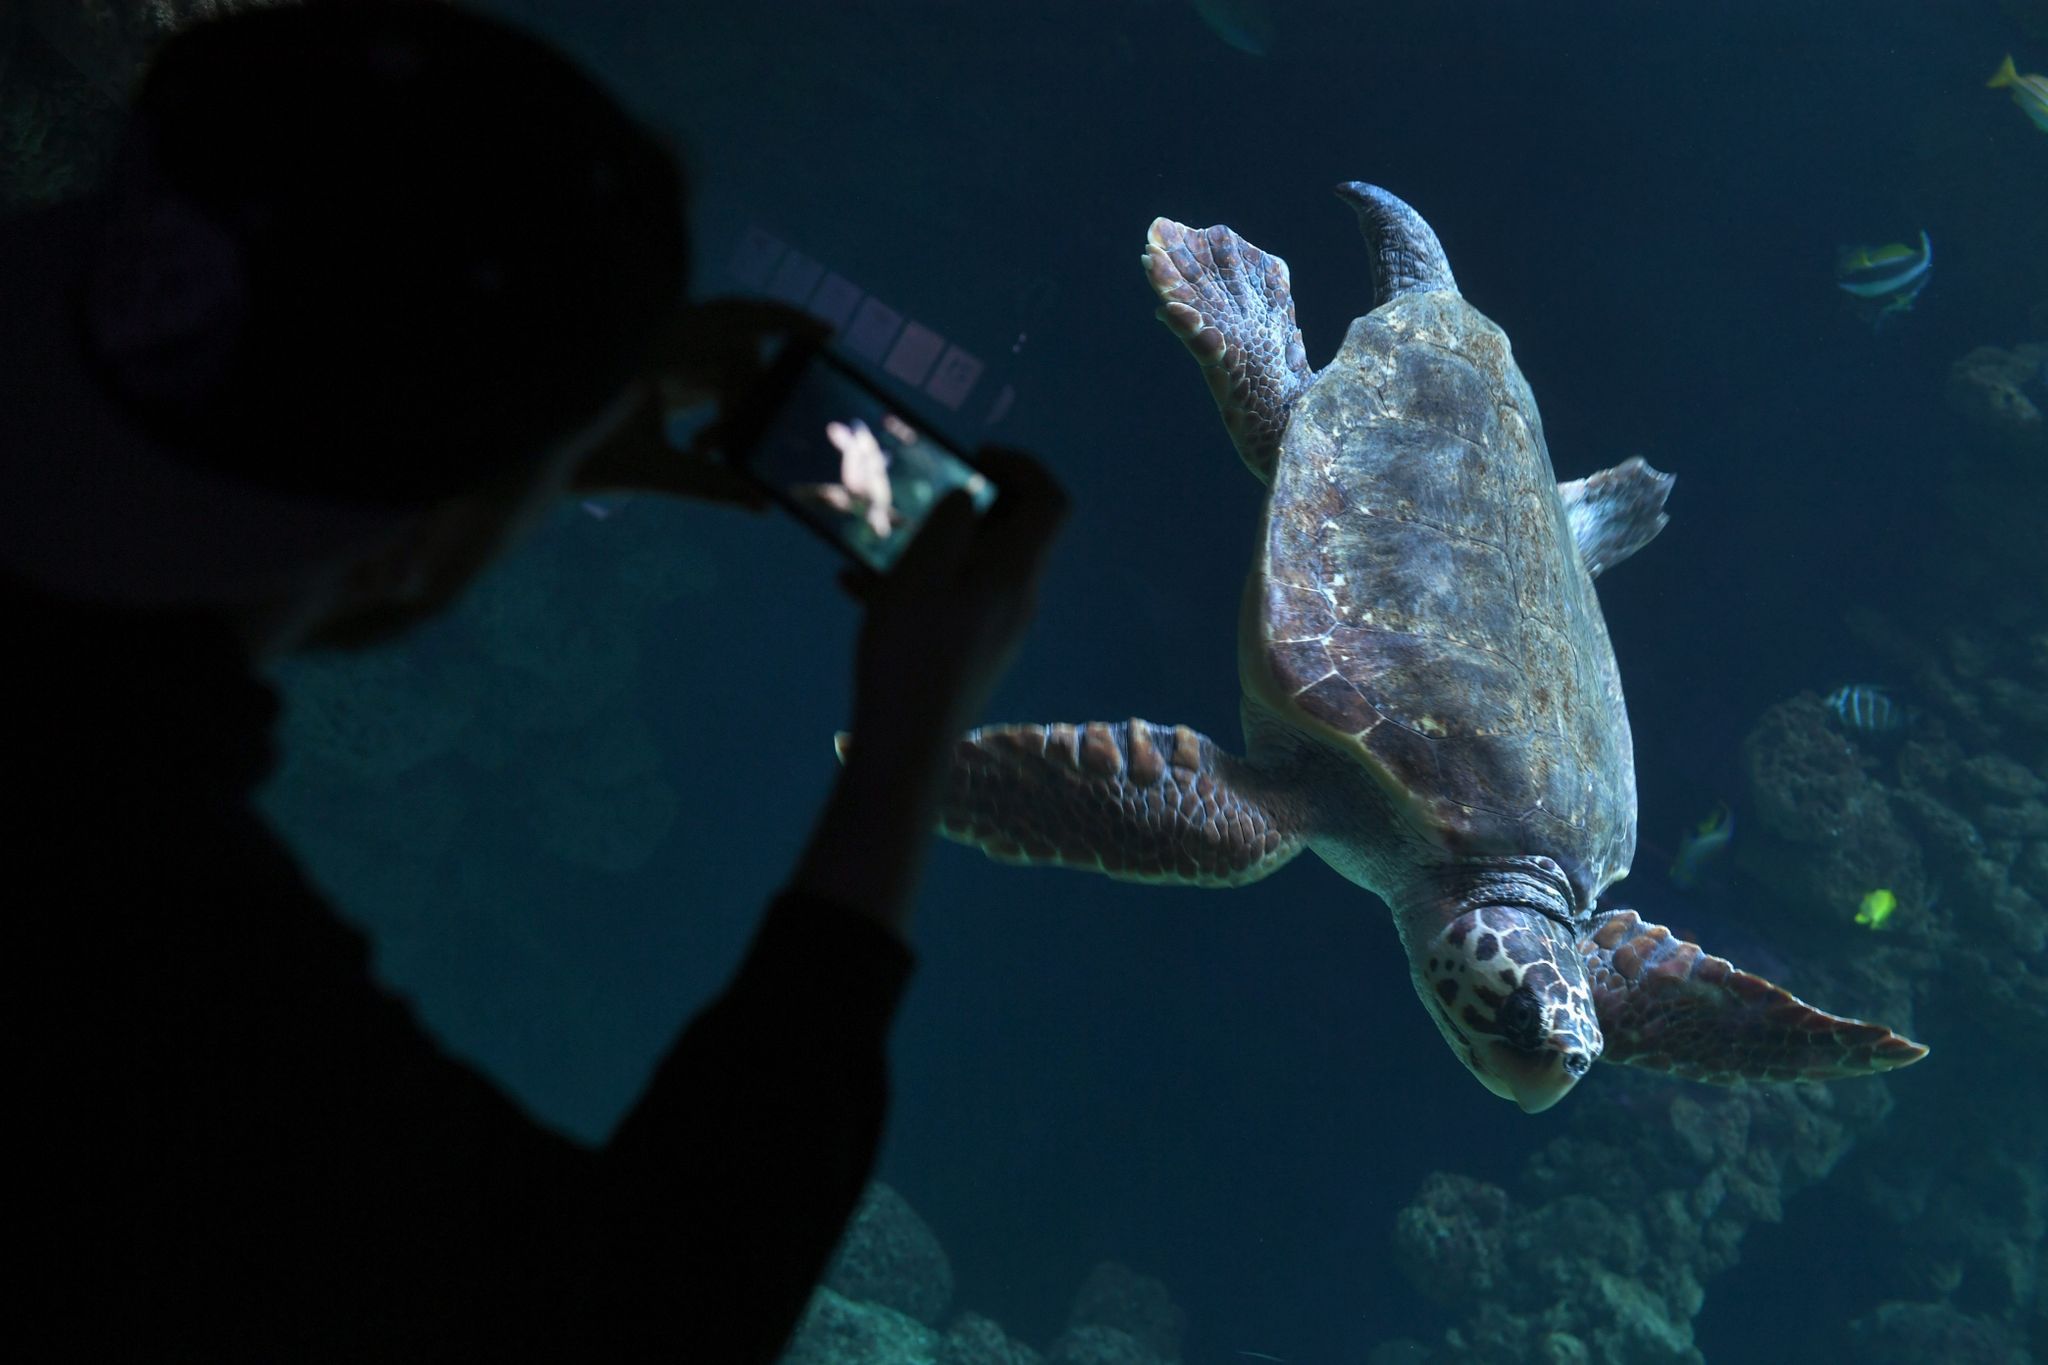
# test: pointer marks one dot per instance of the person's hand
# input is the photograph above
(716, 351)
(711, 352)
(942, 627)
(639, 458)
(944, 624)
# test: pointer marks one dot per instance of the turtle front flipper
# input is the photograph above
(1616, 512)
(1233, 307)
(1668, 1005)
(1141, 802)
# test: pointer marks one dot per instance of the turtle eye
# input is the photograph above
(1520, 1019)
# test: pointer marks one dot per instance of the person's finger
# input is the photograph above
(937, 548)
(709, 349)
(860, 583)
(1020, 469)
(638, 458)
(1029, 508)
(1026, 489)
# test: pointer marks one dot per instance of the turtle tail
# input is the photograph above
(1406, 256)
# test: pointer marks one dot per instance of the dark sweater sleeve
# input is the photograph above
(721, 1197)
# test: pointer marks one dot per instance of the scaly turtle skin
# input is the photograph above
(1431, 703)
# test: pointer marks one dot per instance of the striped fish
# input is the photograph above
(2029, 92)
(1861, 706)
(1881, 272)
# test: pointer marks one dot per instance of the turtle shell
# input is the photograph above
(1420, 604)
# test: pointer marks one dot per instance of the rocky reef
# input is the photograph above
(2002, 393)
(886, 1298)
(1967, 1190)
(1602, 1253)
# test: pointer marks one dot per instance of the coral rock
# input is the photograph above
(890, 1256)
(1995, 778)
(1908, 1333)
(2001, 393)
(1449, 1241)
(839, 1331)
(975, 1340)
(1828, 832)
(1138, 1305)
(1645, 1199)
(1093, 1344)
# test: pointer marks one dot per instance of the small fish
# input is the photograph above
(2029, 92)
(1862, 706)
(1876, 908)
(1894, 272)
(1702, 846)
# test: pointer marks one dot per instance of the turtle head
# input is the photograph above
(1507, 987)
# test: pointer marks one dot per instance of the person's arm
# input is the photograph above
(723, 1194)
(721, 1197)
(941, 630)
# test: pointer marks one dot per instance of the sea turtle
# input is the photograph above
(1430, 700)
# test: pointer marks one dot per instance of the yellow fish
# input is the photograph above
(1876, 908)
(2029, 92)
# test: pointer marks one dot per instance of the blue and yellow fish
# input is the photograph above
(1702, 846)
(1893, 274)
(1863, 706)
(2029, 92)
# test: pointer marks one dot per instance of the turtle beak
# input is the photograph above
(1533, 1080)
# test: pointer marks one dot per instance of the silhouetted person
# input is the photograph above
(369, 284)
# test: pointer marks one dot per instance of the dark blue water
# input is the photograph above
(1236, 1091)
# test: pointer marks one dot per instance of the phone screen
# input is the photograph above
(853, 464)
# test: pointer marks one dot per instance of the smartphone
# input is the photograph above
(848, 460)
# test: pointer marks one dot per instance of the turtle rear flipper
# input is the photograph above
(1668, 1005)
(1232, 305)
(1616, 512)
(1141, 802)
